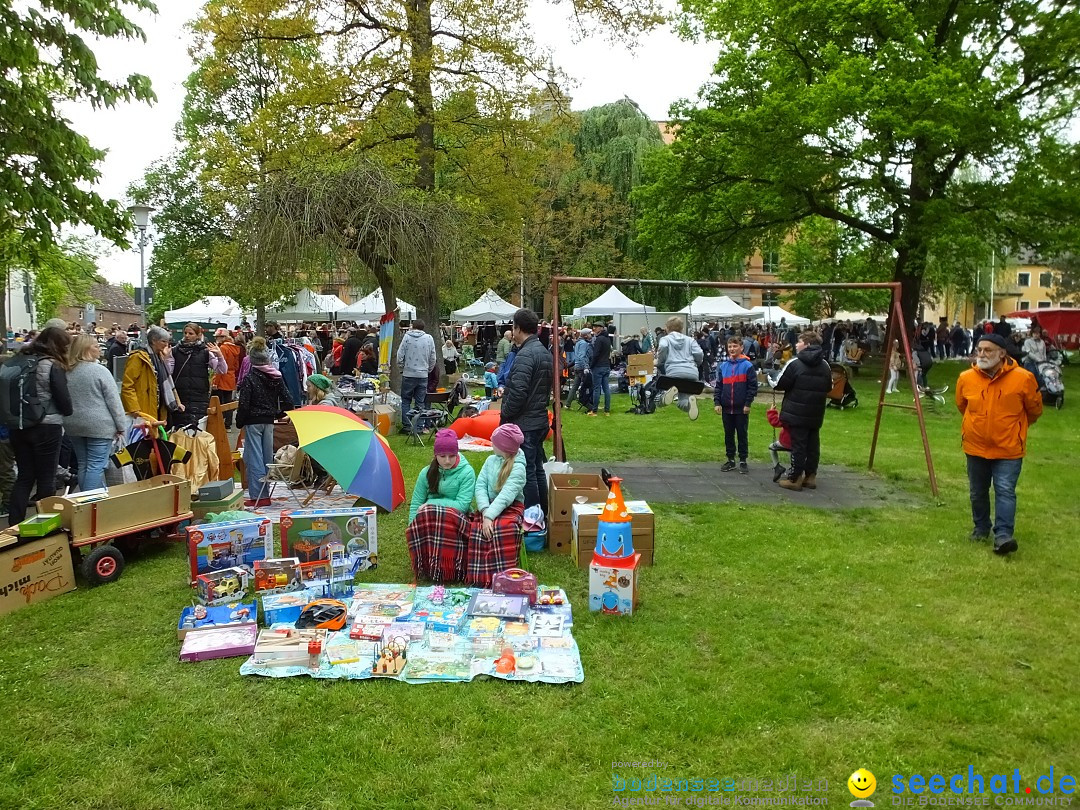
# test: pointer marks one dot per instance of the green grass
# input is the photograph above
(769, 640)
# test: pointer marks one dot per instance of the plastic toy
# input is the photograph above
(200, 617)
(277, 575)
(551, 598)
(228, 544)
(614, 533)
(506, 663)
(516, 581)
(218, 587)
(329, 614)
(310, 534)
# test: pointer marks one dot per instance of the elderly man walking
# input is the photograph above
(998, 400)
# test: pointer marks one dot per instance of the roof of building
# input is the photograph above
(112, 298)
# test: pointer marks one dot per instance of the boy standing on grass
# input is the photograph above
(733, 393)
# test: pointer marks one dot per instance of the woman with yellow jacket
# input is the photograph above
(147, 390)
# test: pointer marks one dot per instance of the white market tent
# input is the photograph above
(716, 306)
(773, 314)
(372, 307)
(612, 302)
(308, 306)
(488, 307)
(844, 315)
(211, 309)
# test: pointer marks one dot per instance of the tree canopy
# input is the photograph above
(864, 113)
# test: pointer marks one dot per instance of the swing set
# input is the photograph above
(896, 331)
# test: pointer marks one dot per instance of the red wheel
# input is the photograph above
(103, 564)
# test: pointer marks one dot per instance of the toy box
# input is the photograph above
(515, 581)
(236, 543)
(215, 617)
(308, 535)
(289, 647)
(284, 607)
(278, 575)
(566, 489)
(40, 525)
(202, 645)
(33, 572)
(219, 587)
(613, 585)
(585, 519)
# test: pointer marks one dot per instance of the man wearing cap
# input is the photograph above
(223, 384)
(525, 402)
(998, 400)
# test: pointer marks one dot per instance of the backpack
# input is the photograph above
(19, 404)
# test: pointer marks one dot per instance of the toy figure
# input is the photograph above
(614, 531)
(506, 663)
(609, 603)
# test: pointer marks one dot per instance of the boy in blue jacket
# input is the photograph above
(734, 390)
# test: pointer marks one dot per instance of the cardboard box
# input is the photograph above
(355, 529)
(233, 642)
(234, 503)
(33, 572)
(636, 364)
(613, 585)
(284, 607)
(221, 587)
(218, 617)
(235, 543)
(559, 536)
(586, 518)
(566, 489)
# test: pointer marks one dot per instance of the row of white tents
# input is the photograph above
(311, 306)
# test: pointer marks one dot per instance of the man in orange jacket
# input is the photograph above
(999, 400)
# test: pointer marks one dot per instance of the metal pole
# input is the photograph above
(142, 274)
(558, 448)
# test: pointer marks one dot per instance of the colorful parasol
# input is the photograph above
(350, 450)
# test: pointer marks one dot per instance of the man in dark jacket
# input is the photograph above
(600, 367)
(525, 402)
(350, 351)
(806, 382)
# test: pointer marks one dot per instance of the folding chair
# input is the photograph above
(439, 401)
(420, 422)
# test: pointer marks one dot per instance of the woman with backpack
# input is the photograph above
(99, 418)
(36, 443)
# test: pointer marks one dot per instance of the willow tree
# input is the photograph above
(310, 214)
(864, 113)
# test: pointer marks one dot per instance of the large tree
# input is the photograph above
(46, 167)
(863, 113)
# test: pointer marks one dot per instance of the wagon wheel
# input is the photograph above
(103, 564)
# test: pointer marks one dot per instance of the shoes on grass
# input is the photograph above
(745, 470)
(1004, 545)
(729, 465)
(693, 411)
(670, 394)
(978, 537)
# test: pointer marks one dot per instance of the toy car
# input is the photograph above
(227, 587)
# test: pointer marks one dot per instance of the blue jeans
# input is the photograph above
(413, 389)
(600, 379)
(93, 455)
(536, 491)
(258, 452)
(1003, 474)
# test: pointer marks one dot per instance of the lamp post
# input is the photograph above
(142, 213)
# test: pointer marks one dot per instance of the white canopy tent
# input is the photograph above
(716, 306)
(373, 307)
(844, 315)
(488, 307)
(308, 306)
(211, 309)
(612, 302)
(773, 314)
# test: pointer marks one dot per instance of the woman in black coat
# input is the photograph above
(193, 360)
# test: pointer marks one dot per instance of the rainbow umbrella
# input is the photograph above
(353, 452)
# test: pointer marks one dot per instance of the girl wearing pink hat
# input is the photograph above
(494, 532)
(439, 511)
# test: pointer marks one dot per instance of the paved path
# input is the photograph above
(838, 487)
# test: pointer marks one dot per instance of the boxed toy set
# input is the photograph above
(310, 534)
(613, 584)
(277, 575)
(284, 608)
(215, 617)
(233, 642)
(236, 543)
(219, 587)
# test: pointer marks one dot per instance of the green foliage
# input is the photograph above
(864, 113)
(62, 276)
(46, 167)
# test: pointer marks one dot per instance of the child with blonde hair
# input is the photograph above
(495, 530)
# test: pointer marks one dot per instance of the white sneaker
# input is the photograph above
(693, 408)
(670, 394)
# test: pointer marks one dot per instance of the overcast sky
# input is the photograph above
(660, 71)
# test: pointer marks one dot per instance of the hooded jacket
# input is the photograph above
(997, 410)
(679, 356)
(456, 488)
(416, 354)
(263, 398)
(806, 382)
(736, 384)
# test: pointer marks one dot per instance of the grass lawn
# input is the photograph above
(769, 641)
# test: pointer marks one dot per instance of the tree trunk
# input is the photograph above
(381, 270)
(908, 270)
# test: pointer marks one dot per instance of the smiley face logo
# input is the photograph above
(862, 784)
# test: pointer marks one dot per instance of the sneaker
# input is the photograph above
(728, 466)
(777, 472)
(670, 394)
(978, 537)
(693, 409)
(1004, 545)
(743, 468)
(591, 413)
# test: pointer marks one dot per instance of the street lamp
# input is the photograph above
(142, 221)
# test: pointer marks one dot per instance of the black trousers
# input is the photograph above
(536, 491)
(736, 424)
(805, 451)
(37, 452)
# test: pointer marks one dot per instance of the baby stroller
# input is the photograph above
(1053, 384)
(842, 394)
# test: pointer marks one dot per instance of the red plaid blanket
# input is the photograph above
(437, 543)
(488, 557)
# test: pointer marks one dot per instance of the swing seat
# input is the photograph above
(681, 384)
